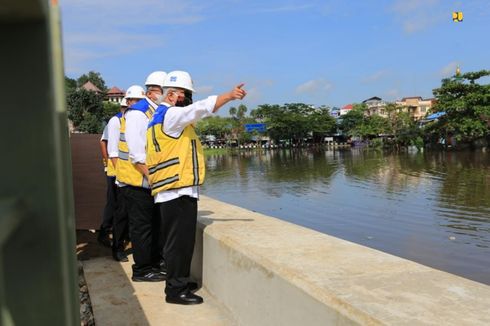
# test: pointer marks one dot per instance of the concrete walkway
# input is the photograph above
(116, 300)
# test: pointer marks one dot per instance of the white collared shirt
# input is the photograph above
(113, 131)
(136, 125)
(176, 119)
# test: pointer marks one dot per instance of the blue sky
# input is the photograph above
(316, 52)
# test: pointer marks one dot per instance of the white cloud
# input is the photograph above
(392, 94)
(419, 15)
(407, 7)
(449, 69)
(378, 75)
(95, 29)
(254, 95)
(314, 86)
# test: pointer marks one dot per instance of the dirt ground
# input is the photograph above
(88, 247)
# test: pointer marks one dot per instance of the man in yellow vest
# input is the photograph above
(176, 168)
(132, 177)
(108, 142)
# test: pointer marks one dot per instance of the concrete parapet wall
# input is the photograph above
(270, 272)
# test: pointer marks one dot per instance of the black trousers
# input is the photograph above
(144, 228)
(110, 206)
(179, 218)
(120, 225)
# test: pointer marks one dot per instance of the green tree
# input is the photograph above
(401, 125)
(93, 77)
(293, 121)
(215, 125)
(372, 126)
(85, 110)
(467, 107)
(321, 123)
(238, 118)
(70, 85)
(353, 120)
(109, 109)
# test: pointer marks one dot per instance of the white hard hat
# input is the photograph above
(135, 91)
(179, 79)
(156, 78)
(124, 103)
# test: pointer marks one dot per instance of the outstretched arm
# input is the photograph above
(236, 94)
(177, 118)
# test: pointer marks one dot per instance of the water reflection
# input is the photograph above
(431, 207)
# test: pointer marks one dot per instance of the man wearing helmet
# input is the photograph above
(176, 173)
(144, 222)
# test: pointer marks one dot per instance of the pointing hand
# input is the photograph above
(238, 93)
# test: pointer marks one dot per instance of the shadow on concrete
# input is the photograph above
(112, 294)
(204, 213)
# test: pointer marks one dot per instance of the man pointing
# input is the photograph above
(176, 168)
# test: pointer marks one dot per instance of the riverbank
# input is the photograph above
(257, 270)
(270, 272)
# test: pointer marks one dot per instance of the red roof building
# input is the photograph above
(346, 109)
(115, 95)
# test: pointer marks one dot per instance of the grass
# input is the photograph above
(216, 151)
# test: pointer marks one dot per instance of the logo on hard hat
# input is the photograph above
(173, 79)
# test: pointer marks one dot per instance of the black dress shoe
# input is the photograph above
(159, 271)
(185, 298)
(192, 286)
(149, 277)
(120, 256)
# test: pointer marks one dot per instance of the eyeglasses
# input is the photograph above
(155, 90)
(179, 92)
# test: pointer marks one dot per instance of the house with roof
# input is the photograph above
(375, 106)
(345, 109)
(115, 95)
(334, 112)
(416, 106)
(89, 86)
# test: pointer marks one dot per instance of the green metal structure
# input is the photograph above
(38, 275)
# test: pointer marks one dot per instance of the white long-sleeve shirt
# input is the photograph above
(136, 125)
(113, 131)
(105, 137)
(176, 119)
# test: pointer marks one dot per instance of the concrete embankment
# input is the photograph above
(269, 272)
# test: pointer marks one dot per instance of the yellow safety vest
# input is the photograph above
(173, 162)
(126, 171)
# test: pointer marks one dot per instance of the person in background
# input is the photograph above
(107, 216)
(132, 176)
(110, 135)
(120, 224)
(176, 169)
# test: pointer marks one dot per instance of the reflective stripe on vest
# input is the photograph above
(126, 171)
(173, 162)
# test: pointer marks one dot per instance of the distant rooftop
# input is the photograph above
(374, 98)
(115, 91)
(91, 87)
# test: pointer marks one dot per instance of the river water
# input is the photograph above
(432, 207)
